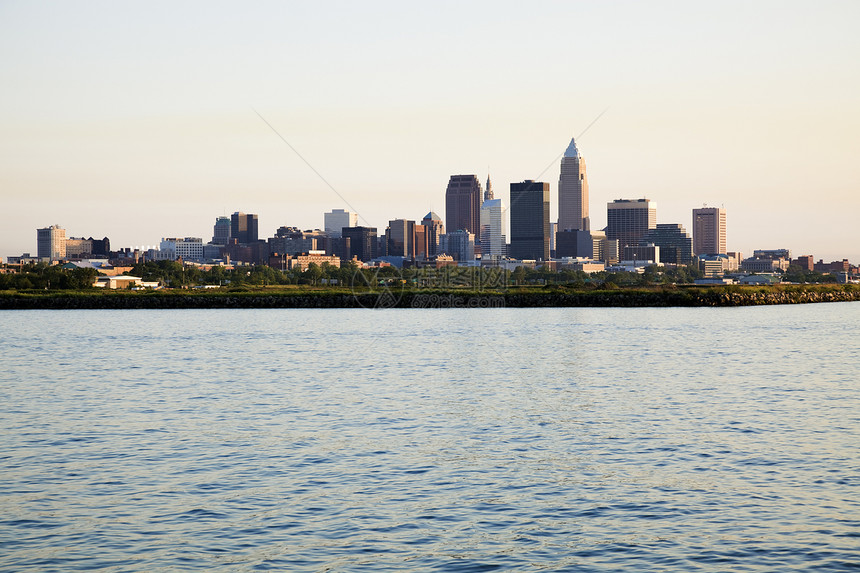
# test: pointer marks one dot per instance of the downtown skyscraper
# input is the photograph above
(244, 227)
(493, 237)
(51, 243)
(573, 192)
(709, 231)
(629, 219)
(335, 220)
(530, 220)
(463, 204)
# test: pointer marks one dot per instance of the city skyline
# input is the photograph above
(135, 125)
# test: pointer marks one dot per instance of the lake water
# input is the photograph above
(679, 439)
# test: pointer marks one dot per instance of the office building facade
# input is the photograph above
(628, 220)
(221, 231)
(363, 242)
(604, 249)
(493, 236)
(459, 244)
(530, 220)
(400, 237)
(244, 228)
(336, 219)
(187, 249)
(709, 231)
(51, 243)
(573, 243)
(463, 204)
(676, 246)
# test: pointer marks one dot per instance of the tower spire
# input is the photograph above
(571, 150)
(488, 194)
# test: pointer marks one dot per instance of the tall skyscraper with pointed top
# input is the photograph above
(573, 192)
(488, 193)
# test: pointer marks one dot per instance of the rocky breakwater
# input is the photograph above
(555, 296)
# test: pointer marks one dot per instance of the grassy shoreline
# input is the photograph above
(339, 297)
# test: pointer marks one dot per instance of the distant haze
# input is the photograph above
(136, 120)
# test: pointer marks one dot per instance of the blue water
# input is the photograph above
(451, 440)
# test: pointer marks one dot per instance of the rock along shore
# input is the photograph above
(426, 298)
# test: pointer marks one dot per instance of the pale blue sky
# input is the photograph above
(135, 119)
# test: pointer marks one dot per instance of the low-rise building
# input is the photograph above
(757, 265)
(641, 253)
(187, 249)
(675, 245)
(715, 281)
(761, 279)
(772, 254)
(806, 262)
(458, 244)
(714, 265)
(629, 267)
(123, 282)
(303, 261)
(604, 249)
(842, 266)
(580, 264)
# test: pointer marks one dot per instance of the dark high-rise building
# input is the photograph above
(629, 219)
(422, 243)
(530, 220)
(244, 227)
(221, 231)
(239, 227)
(641, 253)
(363, 242)
(463, 204)
(401, 238)
(573, 192)
(101, 247)
(340, 246)
(253, 228)
(572, 243)
(676, 246)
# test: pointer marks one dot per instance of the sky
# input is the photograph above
(142, 120)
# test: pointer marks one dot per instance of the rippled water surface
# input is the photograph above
(461, 440)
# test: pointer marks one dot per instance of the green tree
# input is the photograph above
(313, 273)
(519, 275)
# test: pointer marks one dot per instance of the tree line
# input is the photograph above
(175, 275)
